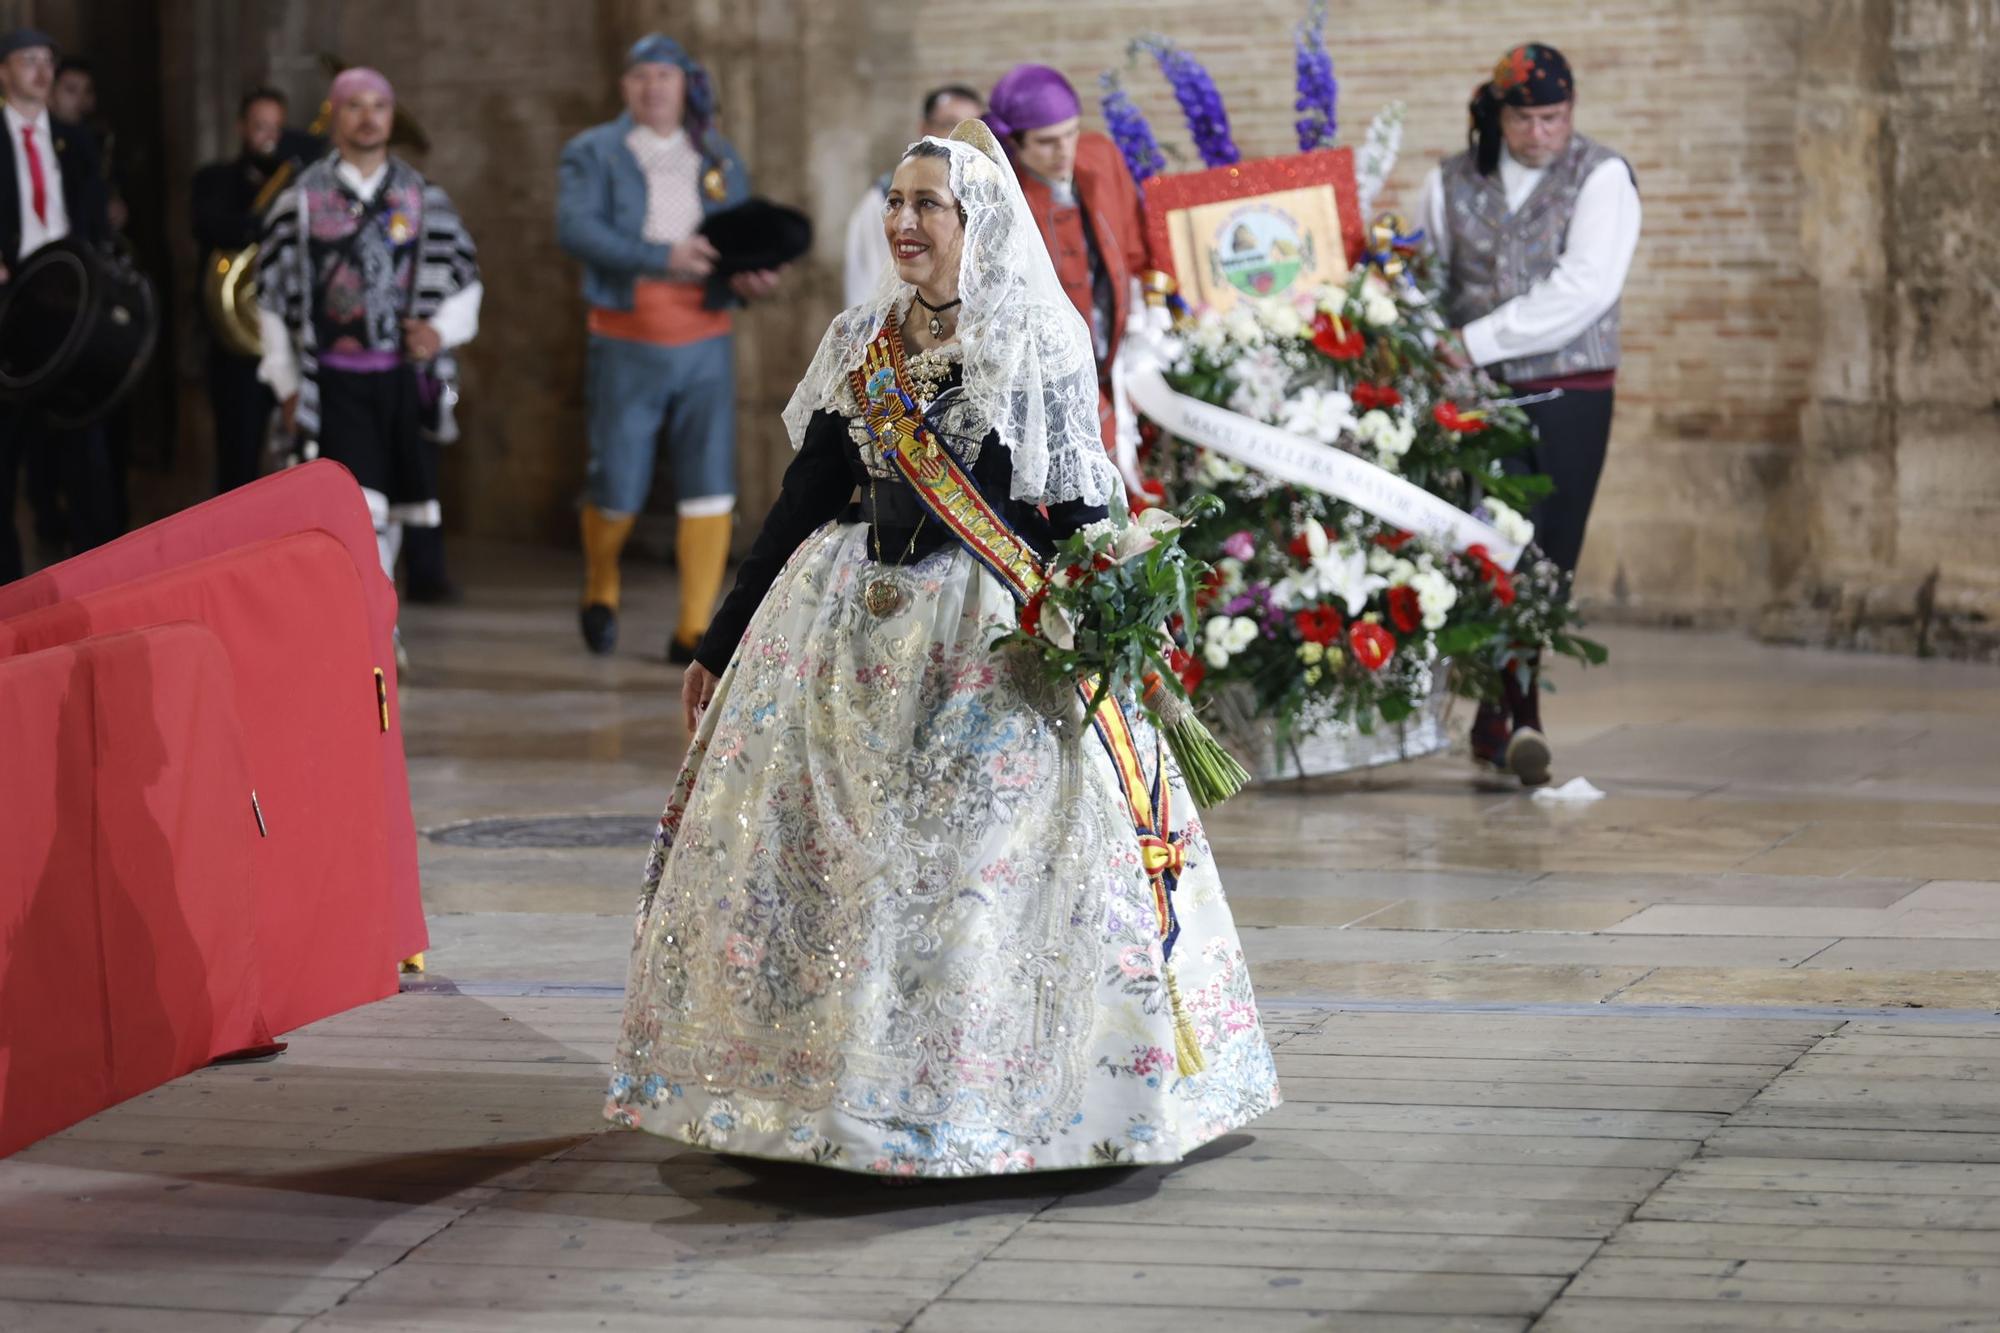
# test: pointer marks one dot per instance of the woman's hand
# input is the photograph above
(697, 688)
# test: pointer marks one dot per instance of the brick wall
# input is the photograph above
(1805, 411)
(1717, 317)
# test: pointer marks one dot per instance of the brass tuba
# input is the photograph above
(229, 283)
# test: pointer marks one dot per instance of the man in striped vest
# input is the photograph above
(366, 281)
(1534, 226)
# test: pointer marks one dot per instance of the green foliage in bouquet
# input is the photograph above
(1103, 618)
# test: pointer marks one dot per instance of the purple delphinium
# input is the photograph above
(1207, 121)
(1318, 103)
(1130, 131)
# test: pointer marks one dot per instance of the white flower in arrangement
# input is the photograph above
(1400, 571)
(1261, 377)
(1280, 318)
(1056, 626)
(1218, 470)
(1209, 335)
(1319, 414)
(1335, 570)
(1380, 309)
(1392, 434)
(1380, 561)
(1142, 534)
(1242, 325)
(1435, 596)
(1232, 583)
(1225, 636)
(1510, 524)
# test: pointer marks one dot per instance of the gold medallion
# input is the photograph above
(714, 184)
(882, 598)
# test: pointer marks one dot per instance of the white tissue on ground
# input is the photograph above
(1576, 789)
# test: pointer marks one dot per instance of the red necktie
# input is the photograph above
(35, 179)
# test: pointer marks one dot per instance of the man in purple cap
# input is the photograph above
(366, 280)
(1086, 203)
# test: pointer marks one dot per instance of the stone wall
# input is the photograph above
(1805, 422)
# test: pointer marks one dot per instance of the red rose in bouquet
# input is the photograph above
(1404, 611)
(1368, 396)
(1318, 624)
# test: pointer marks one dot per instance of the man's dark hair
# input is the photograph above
(936, 95)
(75, 65)
(261, 94)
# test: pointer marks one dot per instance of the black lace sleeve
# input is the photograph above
(816, 488)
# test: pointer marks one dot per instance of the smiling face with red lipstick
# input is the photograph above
(925, 226)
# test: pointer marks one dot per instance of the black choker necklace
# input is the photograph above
(936, 323)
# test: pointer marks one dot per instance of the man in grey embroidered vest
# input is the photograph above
(1535, 226)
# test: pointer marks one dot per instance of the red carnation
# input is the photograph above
(1102, 562)
(1031, 611)
(1372, 645)
(1190, 669)
(1318, 624)
(1392, 540)
(1301, 548)
(1503, 586)
(1337, 340)
(1463, 423)
(1368, 396)
(1074, 573)
(1404, 612)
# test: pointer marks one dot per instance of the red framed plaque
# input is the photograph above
(1256, 229)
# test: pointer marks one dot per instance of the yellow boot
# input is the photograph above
(702, 548)
(603, 538)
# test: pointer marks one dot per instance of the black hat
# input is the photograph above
(757, 234)
(25, 39)
(1529, 75)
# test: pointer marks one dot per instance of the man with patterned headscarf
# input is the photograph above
(1535, 226)
(366, 281)
(633, 195)
(1086, 203)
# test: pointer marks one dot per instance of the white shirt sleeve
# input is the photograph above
(1430, 216)
(279, 366)
(1586, 281)
(867, 252)
(457, 316)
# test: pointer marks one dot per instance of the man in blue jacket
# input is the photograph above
(634, 193)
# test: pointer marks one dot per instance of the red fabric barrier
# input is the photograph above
(292, 618)
(319, 496)
(127, 948)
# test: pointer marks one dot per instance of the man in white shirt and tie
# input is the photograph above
(1535, 226)
(50, 188)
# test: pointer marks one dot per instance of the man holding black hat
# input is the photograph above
(635, 194)
(50, 187)
(1535, 226)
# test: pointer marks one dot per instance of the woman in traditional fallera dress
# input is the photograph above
(897, 918)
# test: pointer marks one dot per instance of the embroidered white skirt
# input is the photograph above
(895, 919)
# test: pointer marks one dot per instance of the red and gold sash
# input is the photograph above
(955, 500)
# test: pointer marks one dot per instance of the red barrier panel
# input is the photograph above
(319, 496)
(127, 944)
(292, 618)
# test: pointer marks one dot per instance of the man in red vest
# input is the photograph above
(1088, 207)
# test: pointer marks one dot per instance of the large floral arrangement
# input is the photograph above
(1321, 610)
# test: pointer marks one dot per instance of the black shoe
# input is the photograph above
(1528, 756)
(600, 628)
(678, 653)
(441, 593)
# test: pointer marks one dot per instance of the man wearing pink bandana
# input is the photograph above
(1086, 203)
(366, 281)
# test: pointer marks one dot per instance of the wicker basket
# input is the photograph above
(1322, 746)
